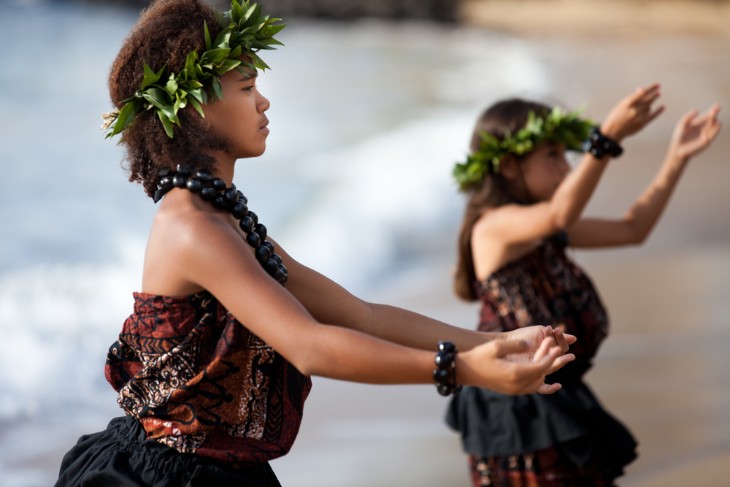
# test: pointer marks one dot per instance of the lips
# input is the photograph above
(264, 125)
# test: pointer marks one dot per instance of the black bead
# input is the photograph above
(276, 258)
(219, 202)
(179, 180)
(165, 181)
(194, 185)
(444, 360)
(271, 266)
(231, 196)
(447, 347)
(269, 245)
(242, 196)
(219, 184)
(441, 375)
(204, 175)
(239, 210)
(246, 223)
(261, 230)
(253, 239)
(254, 217)
(263, 253)
(208, 194)
(281, 275)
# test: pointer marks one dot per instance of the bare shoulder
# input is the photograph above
(186, 237)
(492, 242)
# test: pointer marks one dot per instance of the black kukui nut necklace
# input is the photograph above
(215, 191)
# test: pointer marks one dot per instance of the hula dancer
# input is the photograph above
(213, 366)
(523, 212)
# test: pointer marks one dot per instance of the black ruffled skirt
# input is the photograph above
(571, 421)
(122, 456)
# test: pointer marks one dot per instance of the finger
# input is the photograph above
(655, 114)
(549, 388)
(560, 362)
(646, 92)
(502, 348)
(544, 349)
(560, 340)
(571, 339)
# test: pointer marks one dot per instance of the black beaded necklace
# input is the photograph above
(214, 191)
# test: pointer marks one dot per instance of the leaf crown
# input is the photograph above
(245, 31)
(556, 126)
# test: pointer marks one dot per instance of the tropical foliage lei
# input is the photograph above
(557, 126)
(246, 31)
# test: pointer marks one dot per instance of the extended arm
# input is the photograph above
(516, 224)
(692, 135)
(220, 263)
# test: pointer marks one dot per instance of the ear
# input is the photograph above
(508, 168)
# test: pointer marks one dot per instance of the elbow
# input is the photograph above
(563, 221)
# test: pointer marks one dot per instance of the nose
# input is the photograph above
(263, 103)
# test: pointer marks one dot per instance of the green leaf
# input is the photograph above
(171, 86)
(126, 115)
(228, 65)
(213, 57)
(150, 77)
(166, 123)
(208, 41)
(217, 89)
(198, 108)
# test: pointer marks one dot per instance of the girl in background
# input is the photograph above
(213, 366)
(523, 212)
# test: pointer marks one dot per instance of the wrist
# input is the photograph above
(444, 375)
(611, 132)
(600, 145)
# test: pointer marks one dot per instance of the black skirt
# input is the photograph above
(122, 456)
(572, 421)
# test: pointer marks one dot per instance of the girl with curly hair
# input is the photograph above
(213, 366)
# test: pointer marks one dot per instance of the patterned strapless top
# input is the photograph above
(200, 382)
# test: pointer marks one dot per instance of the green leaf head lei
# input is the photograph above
(245, 31)
(556, 126)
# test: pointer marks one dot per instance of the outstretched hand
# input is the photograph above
(694, 133)
(632, 113)
(519, 362)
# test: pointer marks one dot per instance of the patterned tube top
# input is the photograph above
(200, 382)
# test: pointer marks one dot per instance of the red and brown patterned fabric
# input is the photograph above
(511, 437)
(200, 382)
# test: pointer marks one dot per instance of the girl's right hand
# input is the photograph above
(493, 366)
(633, 113)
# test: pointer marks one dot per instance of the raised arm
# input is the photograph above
(692, 134)
(516, 224)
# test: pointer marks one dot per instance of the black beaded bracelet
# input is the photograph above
(445, 372)
(600, 146)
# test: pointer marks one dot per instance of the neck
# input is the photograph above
(224, 166)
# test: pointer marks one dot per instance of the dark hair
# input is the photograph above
(166, 32)
(501, 119)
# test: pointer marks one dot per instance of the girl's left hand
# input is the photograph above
(694, 133)
(534, 336)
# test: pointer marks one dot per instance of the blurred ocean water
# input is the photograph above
(366, 121)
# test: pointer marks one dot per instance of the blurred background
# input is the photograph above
(372, 104)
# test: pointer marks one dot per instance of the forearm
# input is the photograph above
(415, 330)
(649, 206)
(573, 194)
(341, 353)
